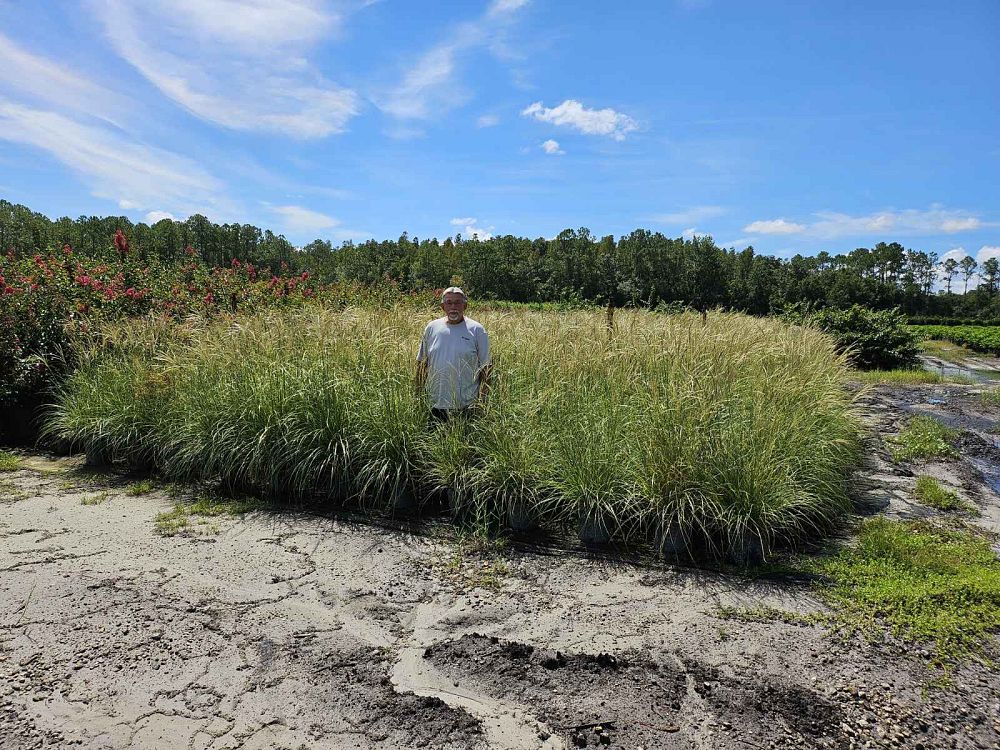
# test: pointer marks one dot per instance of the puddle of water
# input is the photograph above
(955, 370)
(990, 472)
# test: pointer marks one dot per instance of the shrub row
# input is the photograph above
(978, 338)
(723, 437)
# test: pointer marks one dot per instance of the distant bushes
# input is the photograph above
(875, 339)
(930, 320)
(978, 338)
(722, 438)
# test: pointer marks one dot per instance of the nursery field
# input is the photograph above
(722, 438)
(984, 339)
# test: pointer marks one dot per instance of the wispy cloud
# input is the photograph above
(908, 222)
(39, 80)
(692, 215)
(573, 114)
(468, 227)
(774, 226)
(500, 7)
(133, 174)
(236, 64)
(552, 147)
(487, 121)
(305, 221)
(431, 86)
(154, 216)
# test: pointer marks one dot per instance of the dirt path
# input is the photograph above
(297, 631)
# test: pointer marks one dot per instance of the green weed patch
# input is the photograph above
(898, 377)
(143, 487)
(930, 492)
(194, 516)
(921, 582)
(924, 437)
(9, 462)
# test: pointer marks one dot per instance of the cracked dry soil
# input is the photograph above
(292, 630)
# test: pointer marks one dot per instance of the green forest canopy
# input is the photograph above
(640, 268)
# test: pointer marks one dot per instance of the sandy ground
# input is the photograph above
(295, 630)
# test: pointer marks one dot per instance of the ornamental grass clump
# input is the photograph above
(723, 437)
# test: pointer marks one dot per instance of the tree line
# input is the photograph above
(642, 268)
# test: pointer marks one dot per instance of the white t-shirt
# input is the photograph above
(455, 355)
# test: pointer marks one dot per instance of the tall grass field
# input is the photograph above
(722, 437)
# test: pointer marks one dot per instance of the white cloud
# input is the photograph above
(236, 64)
(573, 114)
(487, 121)
(986, 252)
(305, 221)
(908, 222)
(430, 87)
(154, 216)
(552, 147)
(499, 7)
(739, 242)
(46, 81)
(690, 216)
(133, 174)
(468, 228)
(960, 225)
(774, 226)
(299, 219)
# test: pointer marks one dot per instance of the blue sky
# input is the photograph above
(791, 126)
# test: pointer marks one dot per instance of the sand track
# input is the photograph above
(293, 630)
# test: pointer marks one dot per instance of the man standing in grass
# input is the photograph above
(453, 361)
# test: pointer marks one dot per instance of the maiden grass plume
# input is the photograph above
(720, 431)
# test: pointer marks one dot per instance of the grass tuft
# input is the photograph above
(11, 493)
(9, 462)
(930, 492)
(97, 499)
(991, 397)
(143, 487)
(192, 516)
(924, 437)
(475, 560)
(897, 377)
(925, 584)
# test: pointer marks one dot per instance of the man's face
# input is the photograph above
(454, 307)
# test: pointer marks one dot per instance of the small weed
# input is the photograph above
(67, 485)
(9, 462)
(991, 397)
(475, 561)
(768, 614)
(923, 437)
(172, 522)
(930, 492)
(98, 499)
(11, 493)
(921, 582)
(191, 517)
(143, 487)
